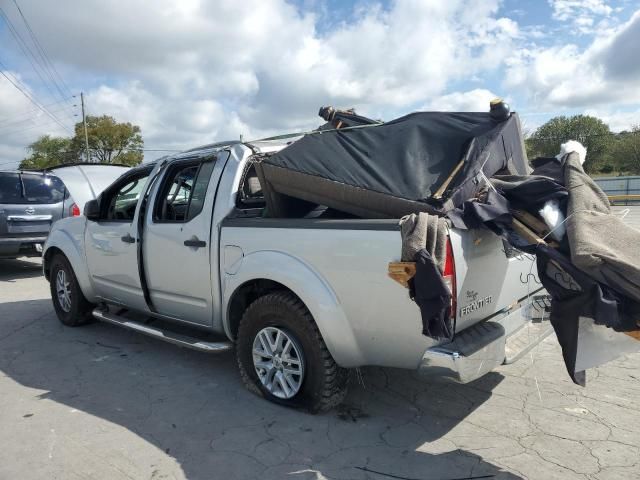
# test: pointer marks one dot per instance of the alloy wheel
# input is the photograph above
(278, 361)
(63, 290)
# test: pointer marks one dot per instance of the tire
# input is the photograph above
(322, 384)
(76, 309)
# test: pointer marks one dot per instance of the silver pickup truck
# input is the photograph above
(179, 249)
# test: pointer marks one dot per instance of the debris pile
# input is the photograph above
(471, 169)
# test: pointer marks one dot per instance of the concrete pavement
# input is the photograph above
(98, 402)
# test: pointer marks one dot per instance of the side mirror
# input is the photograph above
(92, 210)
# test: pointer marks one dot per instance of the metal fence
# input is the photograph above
(621, 187)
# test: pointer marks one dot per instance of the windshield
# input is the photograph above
(30, 188)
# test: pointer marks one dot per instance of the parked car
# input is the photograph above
(179, 250)
(31, 202)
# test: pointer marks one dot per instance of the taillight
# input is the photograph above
(74, 210)
(449, 276)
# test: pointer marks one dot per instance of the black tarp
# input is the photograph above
(392, 169)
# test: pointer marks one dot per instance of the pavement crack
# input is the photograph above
(26, 325)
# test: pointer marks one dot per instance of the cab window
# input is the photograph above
(122, 201)
(182, 194)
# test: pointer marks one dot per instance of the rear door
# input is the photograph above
(29, 204)
(177, 245)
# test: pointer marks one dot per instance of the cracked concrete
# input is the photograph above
(102, 403)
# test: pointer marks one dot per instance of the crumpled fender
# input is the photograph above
(310, 287)
(72, 246)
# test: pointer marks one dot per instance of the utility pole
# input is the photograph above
(84, 121)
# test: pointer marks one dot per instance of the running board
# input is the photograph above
(165, 335)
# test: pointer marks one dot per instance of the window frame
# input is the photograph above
(253, 204)
(165, 186)
(107, 196)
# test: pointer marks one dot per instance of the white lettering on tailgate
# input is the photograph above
(475, 305)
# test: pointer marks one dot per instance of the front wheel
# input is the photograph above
(70, 304)
(282, 356)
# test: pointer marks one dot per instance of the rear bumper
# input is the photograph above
(21, 246)
(479, 349)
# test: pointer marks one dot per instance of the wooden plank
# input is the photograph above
(445, 184)
(402, 272)
(528, 234)
(634, 334)
(624, 198)
(531, 221)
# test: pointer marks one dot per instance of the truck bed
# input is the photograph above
(351, 256)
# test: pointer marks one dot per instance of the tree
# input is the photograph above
(592, 132)
(49, 151)
(110, 141)
(625, 151)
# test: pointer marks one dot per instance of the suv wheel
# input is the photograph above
(282, 356)
(70, 304)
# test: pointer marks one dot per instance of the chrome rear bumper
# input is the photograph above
(479, 349)
(475, 352)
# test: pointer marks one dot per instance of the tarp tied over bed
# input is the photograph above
(395, 168)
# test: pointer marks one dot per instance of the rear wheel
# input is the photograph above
(282, 356)
(70, 304)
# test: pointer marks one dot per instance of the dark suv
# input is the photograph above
(29, 204)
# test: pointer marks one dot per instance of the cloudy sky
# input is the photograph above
(195, 71)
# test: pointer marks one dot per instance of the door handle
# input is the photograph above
(194, 242)
(128, 238)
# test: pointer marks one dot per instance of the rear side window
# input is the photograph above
(42, 189)
(181, 196)
(30, 189)
(10, 188)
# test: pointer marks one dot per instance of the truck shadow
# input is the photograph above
(15, 269)
(194, 407)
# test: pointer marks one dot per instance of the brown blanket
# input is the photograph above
(602, 245)
(424, 231)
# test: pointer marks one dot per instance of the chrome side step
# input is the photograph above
(165, 335)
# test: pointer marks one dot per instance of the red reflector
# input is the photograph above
(74, 211)
(449, 276)
(449, 265)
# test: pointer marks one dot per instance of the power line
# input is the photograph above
(16, 83)
(17, 132)
(28, 53)
(7, 163)
(43, 54)
(27, 120)
(35, 62)
(29, 114)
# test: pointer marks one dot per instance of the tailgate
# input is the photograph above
(489, 275)
(28, 220)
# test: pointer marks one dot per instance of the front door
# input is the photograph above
(177, 241)
(111, 243)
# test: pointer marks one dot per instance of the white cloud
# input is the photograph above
(617, 120)
(196, 71)
(606, 72)
(582, 14)
(201, 70)
(21, 122)
(476, 100)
